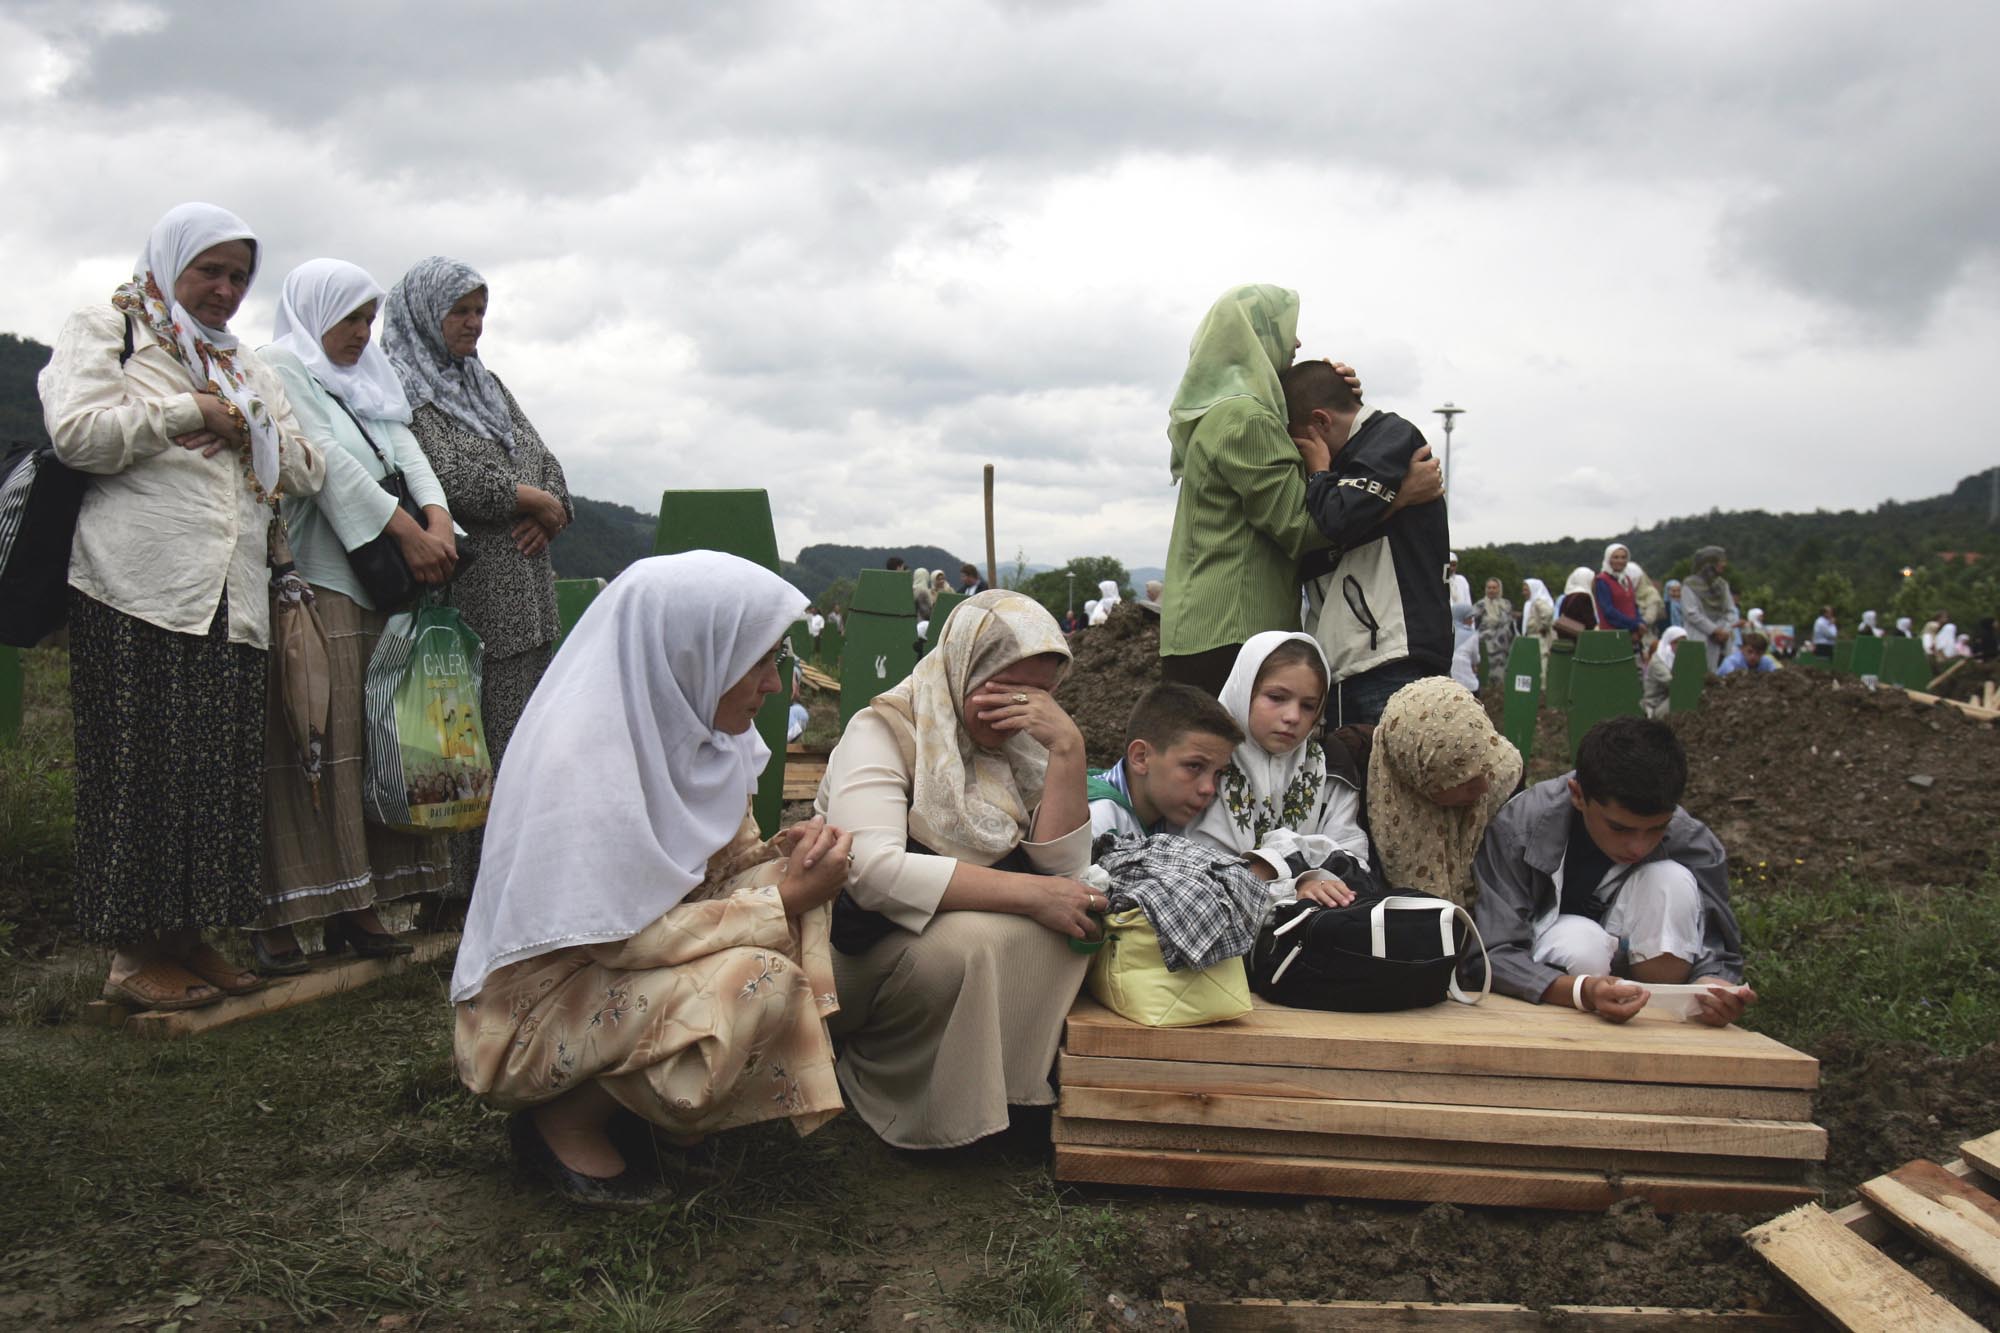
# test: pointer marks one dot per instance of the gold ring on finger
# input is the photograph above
(1020, 698)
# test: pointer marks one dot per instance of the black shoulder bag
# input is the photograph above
(378, 562)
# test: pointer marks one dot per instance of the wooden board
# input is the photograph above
(803, 773)
(1255, 1316)
(1082, 1071)
(1972, 711)
(326, 979)
(1281, 1143)
(1467, 1124)
(1513, 1187)
(1861, 1218)
(1499, 1036)
(1848, 1280)
(1984, 1153)
(1943, 1213)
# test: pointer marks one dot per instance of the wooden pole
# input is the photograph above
(992, 565)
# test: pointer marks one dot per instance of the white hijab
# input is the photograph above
(176, 241)
(1903, 624)
(1538, 591)
(1947, 640)
(1756, 617)
(318, 295)
(1626, 576)
(1580, 580)
(617, 787)
(1257, 787)
(1868, 622)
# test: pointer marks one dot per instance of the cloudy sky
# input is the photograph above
(1671, 256)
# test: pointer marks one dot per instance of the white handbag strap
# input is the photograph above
(1378, 936)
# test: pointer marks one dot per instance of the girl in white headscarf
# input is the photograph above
(190, 442)
(326, 862)
(633, 943)
(964, 786)
(1656, 686)
(1538, 617)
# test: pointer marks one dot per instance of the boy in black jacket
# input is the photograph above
(1377, 600)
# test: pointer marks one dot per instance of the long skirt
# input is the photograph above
(711, 1017)
(505, 684)
(945, 1030)
(323, 859)
(169, 787)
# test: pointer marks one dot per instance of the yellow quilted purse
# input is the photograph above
(1129, 977)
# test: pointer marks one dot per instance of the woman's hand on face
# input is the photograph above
(1015, 708)
(218, 431)
(1326, 892)
(1064, 906)
(818, 861)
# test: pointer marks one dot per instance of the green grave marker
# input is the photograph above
(10, 695)
(1562, 661)
(831, 643)
(1867, 659)
(1812, 661)
(736, 523)
(881, 639)
(1604, 682)
(940, 612)
(801, 640)
(1523, 695)
(572, 597)
(1843, 657)
(1904, 663)
(1690, 674)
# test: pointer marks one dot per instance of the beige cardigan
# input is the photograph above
(163, 531)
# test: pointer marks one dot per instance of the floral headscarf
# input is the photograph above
(461, 387)
(1435, 735)
(965, 801)
(1260, 791)
(209, 355)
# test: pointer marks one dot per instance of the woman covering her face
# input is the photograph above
(964, 787)
(1438, 774)
(190, 442)
(323, 860)
(501, 483)
(634, 947)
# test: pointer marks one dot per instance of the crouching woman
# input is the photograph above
(632, 948)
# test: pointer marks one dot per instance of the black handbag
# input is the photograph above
(1381, 952)
(378, 562)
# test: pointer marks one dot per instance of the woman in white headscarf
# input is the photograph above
(634, 945)
(503, 486)
(964, 788)
(1905, 627)
(1656, 686)
(1107, 597)
(322, 859)
(190, 443)
(1538, 617)
(1869, 626)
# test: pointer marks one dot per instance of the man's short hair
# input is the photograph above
(1755, 640)
(970, 571)
(896, 562)
(1312, 385)
(1634, 761)
(1167, 713)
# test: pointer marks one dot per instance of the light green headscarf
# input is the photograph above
(1243, 344)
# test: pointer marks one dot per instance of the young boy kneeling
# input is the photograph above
(1177, 742)
(1596, 882)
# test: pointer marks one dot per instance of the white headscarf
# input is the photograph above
(209, 355)
(1107, 591)
(1537, 591)
(318, 295)
(1947, 640)
(1868, 622)
(1904, 624)
(461, 387)
(1756, 617)
(1674, 634)
(1580, 580)
(1260, 791)
(618, 788)
(1625, 576)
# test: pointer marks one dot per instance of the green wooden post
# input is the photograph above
(881, 639)
(801, 640)
(1690, 674)
(1843, 656)
(832, 642)
(1867, 659)
(940, 612)
(572, 596)
(1523, 686)
(10, 695)
(1811, 660)
(1904, 663)
(1604, 682)
(1562, 661)
(737, 523)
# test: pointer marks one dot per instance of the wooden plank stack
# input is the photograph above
(1501, 1103)
(1952, 1210)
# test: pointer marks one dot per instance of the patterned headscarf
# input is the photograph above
(1707, 583)
(209, 355)
(1244, 343)
(1434, 735)
(413, 336)
(1260, 791)
(965, 801)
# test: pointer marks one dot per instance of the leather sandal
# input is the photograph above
(206, 962)
(162, 987)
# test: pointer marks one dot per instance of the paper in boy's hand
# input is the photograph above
(1681, 1001)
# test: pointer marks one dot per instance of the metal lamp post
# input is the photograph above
(1448, 411)
(1070, 606)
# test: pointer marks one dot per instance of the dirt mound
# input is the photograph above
(1805, 772)
(1115, 663)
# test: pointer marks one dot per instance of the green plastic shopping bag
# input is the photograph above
(428, 770)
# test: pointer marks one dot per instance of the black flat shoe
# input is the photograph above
(289, 964)
(341, 933)
(630, 1189)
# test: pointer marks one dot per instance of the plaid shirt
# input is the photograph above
(1204, 903)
